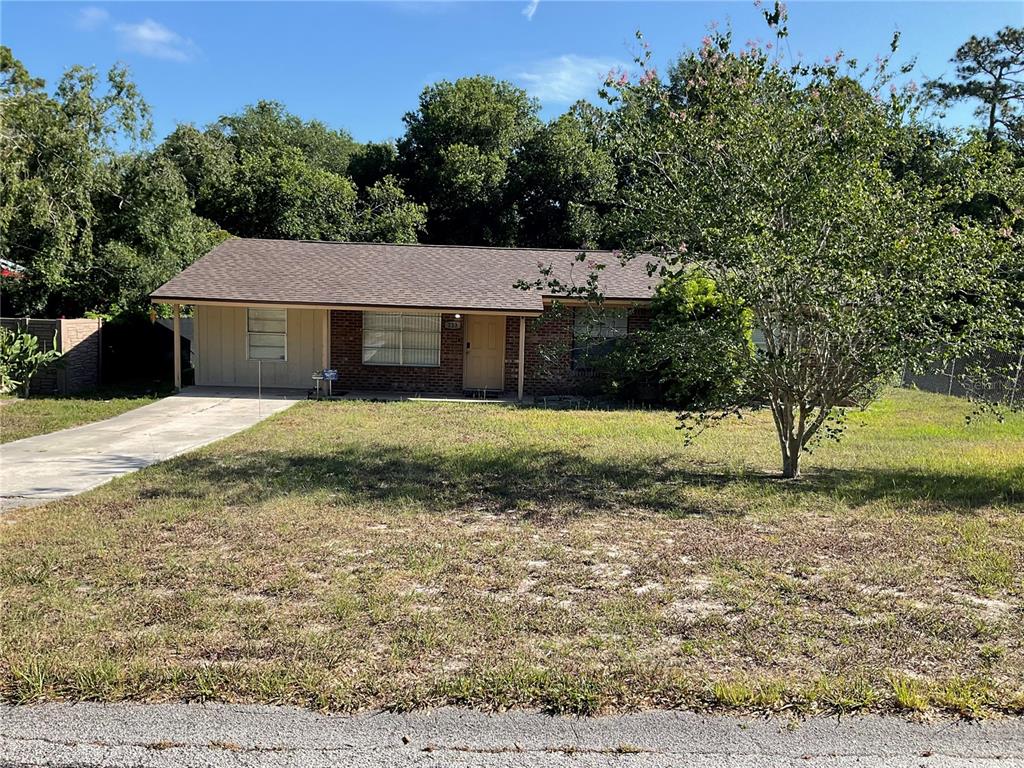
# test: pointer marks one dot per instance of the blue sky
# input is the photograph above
(361, 65)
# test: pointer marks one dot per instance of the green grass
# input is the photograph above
(352, 555)
(909, 694)
(38, 415)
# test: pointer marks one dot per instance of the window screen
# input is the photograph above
(267, 334)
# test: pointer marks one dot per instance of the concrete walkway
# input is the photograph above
(159, 735)
(46, 467)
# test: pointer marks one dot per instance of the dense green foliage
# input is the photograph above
(99, 217)
(457, 151)
(476, 154)
(267, 173)
(807, 202)
(21, 357)
(563, 181)
(794, 188)
(96, 228)
(693, 354)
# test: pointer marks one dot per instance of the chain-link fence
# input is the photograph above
(997, 376)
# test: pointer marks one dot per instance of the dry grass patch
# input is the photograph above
(38, 415)
(397, 555)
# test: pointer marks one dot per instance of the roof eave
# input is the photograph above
(218, 301)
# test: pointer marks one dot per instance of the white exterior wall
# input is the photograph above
(221, 358)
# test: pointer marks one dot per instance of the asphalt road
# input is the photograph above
(235, 736)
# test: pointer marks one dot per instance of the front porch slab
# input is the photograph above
(441, 397)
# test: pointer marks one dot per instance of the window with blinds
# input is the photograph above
(266, 335)
(595, 333)
(600, 325)
(394, 338)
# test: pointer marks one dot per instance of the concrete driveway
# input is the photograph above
(47, 467)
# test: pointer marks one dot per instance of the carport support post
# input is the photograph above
(325, 353)
(177, 346)
(522, 354)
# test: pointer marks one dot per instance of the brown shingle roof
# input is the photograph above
(385, 275)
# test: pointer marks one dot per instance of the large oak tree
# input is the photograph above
(97, 228)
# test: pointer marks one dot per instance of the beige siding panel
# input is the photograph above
(222, 360)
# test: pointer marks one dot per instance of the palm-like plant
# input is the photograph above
(21, 357)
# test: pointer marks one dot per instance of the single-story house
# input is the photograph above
(408, 318)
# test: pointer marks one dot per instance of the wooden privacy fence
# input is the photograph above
(78, 340)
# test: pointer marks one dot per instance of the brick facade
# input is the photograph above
(548, 352)
(639, 319)
(548, 357)
(347, 358)
(79, 340)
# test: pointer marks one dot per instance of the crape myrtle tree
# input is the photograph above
(788, 186)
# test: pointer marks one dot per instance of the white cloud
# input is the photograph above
(91, 17)
(151, 38)
(531, 9)
(148, 37)
(567, 78)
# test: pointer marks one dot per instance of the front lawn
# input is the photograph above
(352, 554)
(40, 414)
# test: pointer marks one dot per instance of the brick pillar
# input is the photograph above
(79, 340)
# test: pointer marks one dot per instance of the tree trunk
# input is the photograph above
(791, 460)
(790, 429)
